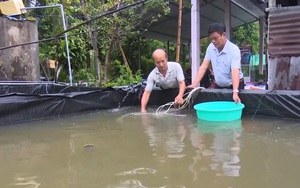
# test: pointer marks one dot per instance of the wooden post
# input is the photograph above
(168, 49)
(179, 31)
(139, 52)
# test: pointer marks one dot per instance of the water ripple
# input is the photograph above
(137, 171)
(27, 182)
(129, 184)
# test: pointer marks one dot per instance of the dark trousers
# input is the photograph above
(241, 85)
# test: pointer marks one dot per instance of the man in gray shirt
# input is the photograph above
(165, 75)
(225, 58)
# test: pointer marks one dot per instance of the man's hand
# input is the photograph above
(190, 86)
(178, 100)
(236, 97)
(144, 101)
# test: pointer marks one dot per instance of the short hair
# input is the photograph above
(217, 27)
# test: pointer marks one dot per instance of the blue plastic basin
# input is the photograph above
(219, 111)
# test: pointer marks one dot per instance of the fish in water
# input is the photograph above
(88, 146)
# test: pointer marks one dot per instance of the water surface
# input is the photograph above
(124, 149)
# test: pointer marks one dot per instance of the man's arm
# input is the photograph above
(147, 91)
(204, 66)
(179, 98)
(144, 101)
(235, 84)
(181, 88)
(235, 73)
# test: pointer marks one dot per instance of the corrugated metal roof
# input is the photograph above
(284, 32)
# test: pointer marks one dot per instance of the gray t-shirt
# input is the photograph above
(223, 62)
(173, 76)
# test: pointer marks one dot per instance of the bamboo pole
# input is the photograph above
(179, 30)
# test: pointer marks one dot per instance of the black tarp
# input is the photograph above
(40, 101)
(19, 103)
(276, 103)
(45, 88)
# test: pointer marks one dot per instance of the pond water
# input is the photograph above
(125, 149)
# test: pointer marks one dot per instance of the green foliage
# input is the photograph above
(122, 26)
(30, 18)
(124, 76)
(259, 76)
(204, 44)
(84, 75)
(131, 49)
(50, 24)
(147, 66)
(249, 33)
(64, 76)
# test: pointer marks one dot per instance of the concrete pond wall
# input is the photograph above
(19, 63)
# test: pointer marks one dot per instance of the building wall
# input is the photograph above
(284, 73)
(19, 63)
(284, 48)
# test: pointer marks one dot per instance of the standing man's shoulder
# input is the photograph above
(233, 47)
(211, 46)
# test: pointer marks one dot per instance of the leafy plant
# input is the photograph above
(84, 75)
(123, 78)
(248, 33)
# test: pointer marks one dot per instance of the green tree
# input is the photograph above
(113, 33)
(248, 33)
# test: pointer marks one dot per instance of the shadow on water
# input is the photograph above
(217, 143)
(215, 127)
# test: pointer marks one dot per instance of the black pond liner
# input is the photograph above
(20, 102)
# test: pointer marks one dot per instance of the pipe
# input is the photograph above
(67, 43)
(195, 35)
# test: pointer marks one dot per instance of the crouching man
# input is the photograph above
(166, 75)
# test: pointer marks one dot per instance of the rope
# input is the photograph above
(186, 101)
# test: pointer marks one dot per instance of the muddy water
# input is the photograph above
(124, 149)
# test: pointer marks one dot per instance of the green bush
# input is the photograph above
(124, 77)
(83, 75)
